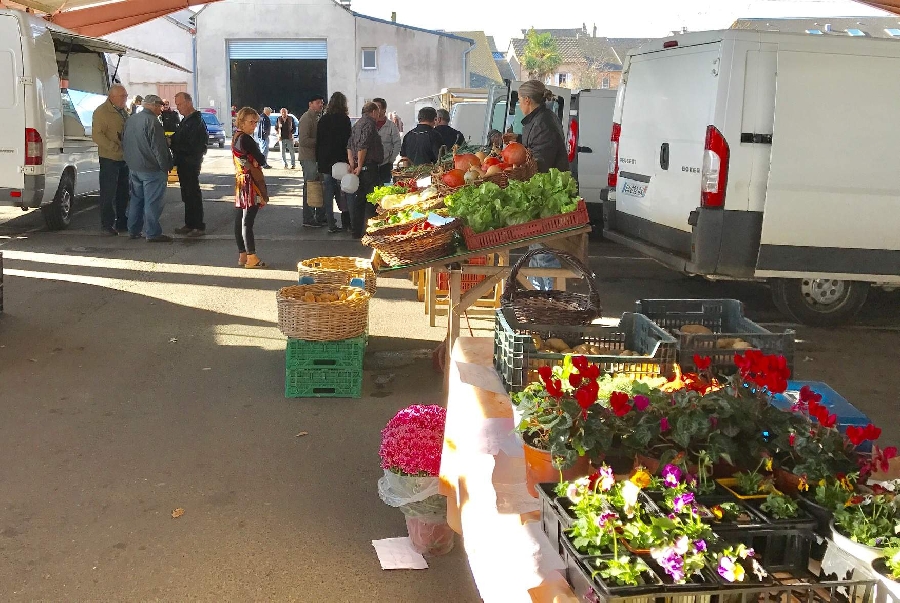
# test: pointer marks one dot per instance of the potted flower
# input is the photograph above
(411, 446)
(780, 507)
(888, 569)
(738, 564)
(866, 524)
(750, 485)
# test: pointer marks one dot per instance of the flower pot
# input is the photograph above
(787, 482)
(650, 582)
(428, 538)
(730, 484)
(863, 552)
(649, 463)
(885, 582)
(539, 468)
(822, 515)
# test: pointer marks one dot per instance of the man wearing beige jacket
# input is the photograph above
(306, 132)
(108, 125)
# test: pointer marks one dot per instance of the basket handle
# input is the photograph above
(513, 286)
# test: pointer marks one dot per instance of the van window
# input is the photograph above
(81, 106)
(500, 114)
(7, 74)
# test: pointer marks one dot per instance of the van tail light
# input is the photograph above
(613, 177)
(34, 147)
(572, 139)
(714, 175)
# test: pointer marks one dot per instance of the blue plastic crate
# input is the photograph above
(846, 413)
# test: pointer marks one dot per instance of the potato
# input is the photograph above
(557, 344)
(582, 348)
(538, 342)
(566, 351)
(597, 350)
(726, 343)
(742, 345)
(695, 330)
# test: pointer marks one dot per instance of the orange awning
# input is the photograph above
(891, 6)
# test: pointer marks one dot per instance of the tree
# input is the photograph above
(541, 56)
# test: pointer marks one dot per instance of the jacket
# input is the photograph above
(542, 134)
(170, 120)
(421, 145)
(390, 139)
(264, 127)
(109, 124)
(144, 144)
(332, 136)
(364, 137)
(306, 132)
(450, 136)
(189, 140)
(285, 127)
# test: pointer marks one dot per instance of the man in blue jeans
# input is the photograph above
(149, 160)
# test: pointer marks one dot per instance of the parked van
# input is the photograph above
(504, 114)
(51, 80)
(590, 122)
(763, 156)
(468, 118)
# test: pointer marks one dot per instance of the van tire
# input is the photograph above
(58, 215)
(844, 299)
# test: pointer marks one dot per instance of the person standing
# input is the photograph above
(263, 131)
(250, 191)
(422, 144)
(450, 136)
(312, 216)
(109, 124)
(169, 118)
(285, 127)
(332, 135)
(149, 161)
(364, 154)
(390, 139)
(397, 122)
(188, 148)
(136, 105)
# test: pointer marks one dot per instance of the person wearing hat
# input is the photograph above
(541, 129)
(149, 161)
(306, 132)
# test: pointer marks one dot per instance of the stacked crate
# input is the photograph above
(324, 369)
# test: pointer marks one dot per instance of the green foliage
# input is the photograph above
(383, 191)
(833, 493)
(750, 483)
(624, 570)
(780, 506)
(541, 56)
(871, 519)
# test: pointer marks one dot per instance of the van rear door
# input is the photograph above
(667, 105)
(589, 130)
(12, 108)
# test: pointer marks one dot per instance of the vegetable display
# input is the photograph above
(487, 206)
(381, 192)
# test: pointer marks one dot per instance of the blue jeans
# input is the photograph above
(287, 145)
(310, 172)
(148, 197)
(264, 149)
(544, 260)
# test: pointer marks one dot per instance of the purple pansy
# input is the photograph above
(671, 475)
(681, 501)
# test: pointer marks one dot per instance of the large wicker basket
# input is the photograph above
(338, 270)
(415, 247)
(322, 321)
(437, 179)
(526, 170)
(552, 307)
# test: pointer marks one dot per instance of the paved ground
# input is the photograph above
(138, 378)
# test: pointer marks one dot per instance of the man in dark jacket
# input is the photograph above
(422, 144)
(541, 129)
(188, 148)
(169, 118)
(449, 135)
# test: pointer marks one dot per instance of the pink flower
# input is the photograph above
(412, 442)
(663, 425)
(641, 402)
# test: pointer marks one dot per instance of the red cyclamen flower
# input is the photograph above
(702, 362)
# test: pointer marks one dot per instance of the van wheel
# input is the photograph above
(819, 302)
(58, 215)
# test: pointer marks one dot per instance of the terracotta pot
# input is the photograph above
(539, 468)
(648, 463)
(787, 482)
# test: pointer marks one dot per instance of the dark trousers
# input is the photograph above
(243, 228)
(368, 180)
(384, 173)
(113, 194)
(189, 178)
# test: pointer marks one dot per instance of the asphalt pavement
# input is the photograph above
(140, 378)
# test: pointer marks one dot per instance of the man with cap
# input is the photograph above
(149, 161)
(306, 132)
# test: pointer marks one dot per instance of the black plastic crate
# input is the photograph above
(517, 359)
(725, 318)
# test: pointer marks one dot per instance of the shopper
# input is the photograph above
(149, 162)
(109, 124)
(136, 105)
(169, 118)
(422, 144)
(250, 191)
(286, 129)
(397, 122)
(263, 131)
(390, 139)
(364, 154)
(306, 132)
(332, 136)
(450, 136)
(189, 143)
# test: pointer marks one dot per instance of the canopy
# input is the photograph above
(96, 45)
(891, 6)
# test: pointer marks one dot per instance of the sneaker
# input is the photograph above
(183, 230)
(312, 225)
(109, 232)
(293, 167)
(335, 230)
(134, 236)
(267, 167)
(160, 239)
(196, 233)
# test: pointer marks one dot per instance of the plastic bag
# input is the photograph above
(414, 496)
(428, 538)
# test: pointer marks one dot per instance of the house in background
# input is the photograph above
(873, 27)
(483, 71)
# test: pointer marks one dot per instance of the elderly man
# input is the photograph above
(148, 158)
(390, 138)
(306, 132)
(188, 148)
(365, 153)
(108, 125)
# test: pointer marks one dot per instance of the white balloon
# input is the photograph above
(350, 183)
(339, 170)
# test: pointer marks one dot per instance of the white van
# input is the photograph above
(590, 122)
(763, 156)
(468, 118)
(51, 80)
(504, 114)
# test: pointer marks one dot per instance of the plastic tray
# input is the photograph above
(516, 358)
(725, 318)
(535, 228)
(345, 353)
(323, 383)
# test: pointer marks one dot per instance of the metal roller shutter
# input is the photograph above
(277, 49)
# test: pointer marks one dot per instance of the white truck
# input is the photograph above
(51, 80)
(466, 107)
(763, 156)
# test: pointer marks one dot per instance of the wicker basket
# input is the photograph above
(338, 270)
(413, 172)
(391, 229)
(437, 175)
(412, 248)
(322, 321)
(552, 307)
(314, 194)
(526, 170)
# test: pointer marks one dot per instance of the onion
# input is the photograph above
(494, 169)
(470, 177)
(514, 154)
(481, 155)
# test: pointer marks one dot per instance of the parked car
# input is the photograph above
(214, 128)
(275, 137)
(763, 156)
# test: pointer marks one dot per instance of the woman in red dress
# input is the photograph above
(250, 192)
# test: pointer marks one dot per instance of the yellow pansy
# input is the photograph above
(641, 478)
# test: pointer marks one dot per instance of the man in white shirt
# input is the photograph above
(390, 139)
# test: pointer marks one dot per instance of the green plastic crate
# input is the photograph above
(344, 354)
(323, 383)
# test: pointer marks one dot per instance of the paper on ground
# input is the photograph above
(485, 377)
(398, 553)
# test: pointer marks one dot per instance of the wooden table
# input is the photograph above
(487, 502)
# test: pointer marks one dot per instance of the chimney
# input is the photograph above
(828, 28)
(595, 30)
(394, 16)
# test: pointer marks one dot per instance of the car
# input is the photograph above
(274, 138)
(214, 128)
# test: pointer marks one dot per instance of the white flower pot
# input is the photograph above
(864, 553)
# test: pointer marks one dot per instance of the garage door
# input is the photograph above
(277, 49)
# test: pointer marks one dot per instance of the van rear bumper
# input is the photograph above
(30, 196)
